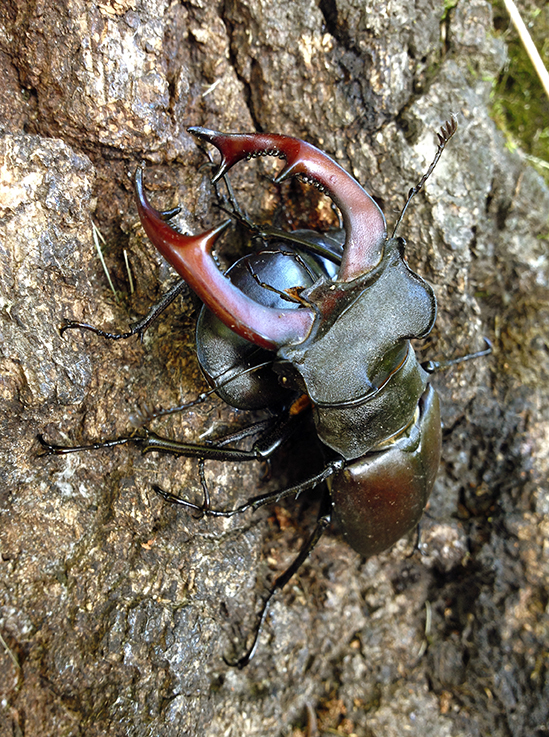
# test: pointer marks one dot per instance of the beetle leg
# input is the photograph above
(323, 521)
(140, 326)
(148, 442)
(54, 449)
(418, 545)
(432, 366)
(275, 432)
(233, 209)
(364, 222)
(233, 437)
(137, 328)
(262, 500)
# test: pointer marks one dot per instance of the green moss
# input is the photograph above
(520, 105)
(448, 5)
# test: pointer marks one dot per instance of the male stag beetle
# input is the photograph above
(320, 323)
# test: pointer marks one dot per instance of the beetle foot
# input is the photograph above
(241, 663)
(72, 324)
(48, 449)
(53, 449)
(200, 510)
(174, 499)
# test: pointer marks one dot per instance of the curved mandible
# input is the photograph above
(365, 226)
(191, 256)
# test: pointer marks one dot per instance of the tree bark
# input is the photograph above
(116, 609)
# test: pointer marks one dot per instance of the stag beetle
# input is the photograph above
(321, 324)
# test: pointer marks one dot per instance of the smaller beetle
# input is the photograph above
(316, 323)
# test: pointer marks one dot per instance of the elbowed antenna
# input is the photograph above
(365, 226)
(446, 132)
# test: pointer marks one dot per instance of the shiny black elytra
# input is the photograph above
(315, 323)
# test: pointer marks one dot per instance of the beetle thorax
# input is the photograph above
(366, 344)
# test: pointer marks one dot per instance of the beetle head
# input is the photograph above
(275, 329)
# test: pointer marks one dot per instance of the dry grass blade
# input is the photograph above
(528, 43)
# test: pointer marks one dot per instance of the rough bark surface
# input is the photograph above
(115, 608)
